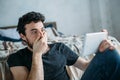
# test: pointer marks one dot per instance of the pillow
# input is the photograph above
(51, 30)
(9, 34)
(50, 33)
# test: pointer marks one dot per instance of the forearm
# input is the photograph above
(36, 72)
(82, 63)
(86, 65)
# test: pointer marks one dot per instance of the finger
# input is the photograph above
(105, 30)
(101, 46)
(104, 45)
(42, 34)
(38, 38)
(45, 36)
(107, 45)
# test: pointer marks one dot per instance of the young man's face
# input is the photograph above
(33, 30)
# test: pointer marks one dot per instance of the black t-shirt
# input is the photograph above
(54, 61)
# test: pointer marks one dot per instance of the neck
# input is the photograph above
(30, 48)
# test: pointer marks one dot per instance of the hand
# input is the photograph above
(105, 44)
(40, 45)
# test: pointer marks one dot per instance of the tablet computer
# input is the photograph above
(92, 41)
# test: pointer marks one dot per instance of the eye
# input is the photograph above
(34, 32)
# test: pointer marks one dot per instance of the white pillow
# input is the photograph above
(50, 33)
(10, 33)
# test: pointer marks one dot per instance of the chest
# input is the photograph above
(54, 61)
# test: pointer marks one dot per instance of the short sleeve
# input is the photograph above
(71, 56)
(15, 60)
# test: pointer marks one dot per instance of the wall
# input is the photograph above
(72, 16)
(101, 16)
(105, 14)
(115, 16)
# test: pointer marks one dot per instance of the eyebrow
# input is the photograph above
(33, 29)
(36, 29)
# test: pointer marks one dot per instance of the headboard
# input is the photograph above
(9, 33)
(46, 24)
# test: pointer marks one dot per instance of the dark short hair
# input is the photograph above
(28, 18)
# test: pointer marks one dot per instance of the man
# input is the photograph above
(42, 61)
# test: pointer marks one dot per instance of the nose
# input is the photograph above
(41, 33)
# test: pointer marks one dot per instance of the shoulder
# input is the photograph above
(18, 53)
(16, 59)
(61, 47)
(57, 46)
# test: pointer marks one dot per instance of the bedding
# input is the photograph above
(11, 33)
(73, 42)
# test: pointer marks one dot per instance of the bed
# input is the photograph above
(10, 40)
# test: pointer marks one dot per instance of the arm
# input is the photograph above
(39, 47)
(21, 73)
(83, 64)
(36, 73)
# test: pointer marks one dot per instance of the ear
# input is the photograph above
(23, 37)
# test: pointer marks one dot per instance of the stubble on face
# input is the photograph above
(28, 43)
(28, 37)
